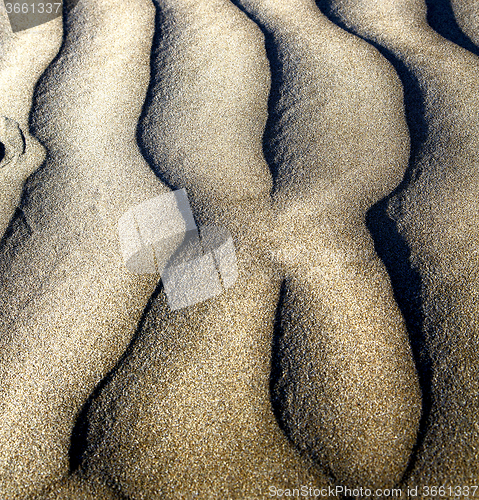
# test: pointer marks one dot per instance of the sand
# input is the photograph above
(22, 61)
(436, 213)
(201, 375)
(72, 307)
(467, 16)
(324, 184)
(337, 145)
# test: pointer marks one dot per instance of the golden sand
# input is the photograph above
(437, 215)
(355, 308)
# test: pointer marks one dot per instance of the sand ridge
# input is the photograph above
(467, 16)
(334, 336)
(437, 214)
(70, 306)
(288, 130)
(192, 396)
(168, 113)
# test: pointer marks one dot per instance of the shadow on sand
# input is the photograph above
(390, 245)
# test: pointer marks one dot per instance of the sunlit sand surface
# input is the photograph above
(337, 143)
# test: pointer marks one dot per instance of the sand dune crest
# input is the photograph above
(332, 165)
(55, 346)
(191, 399)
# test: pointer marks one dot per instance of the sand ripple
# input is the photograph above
(345, 170)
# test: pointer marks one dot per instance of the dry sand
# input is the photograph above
(466, 13)
(346, 389)
(291, 133)
(437, 213)
(23, 58)
(375, 427)
(191, 399)
(69, 306)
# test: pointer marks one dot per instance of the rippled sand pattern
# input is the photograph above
(337, 142)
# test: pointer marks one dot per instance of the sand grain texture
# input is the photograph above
(69, 307)
(355, 251)
(23, 58)
(190, 402)
(466, 13)
(437, 214)
(345, 387)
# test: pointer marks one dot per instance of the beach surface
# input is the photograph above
(331, 350)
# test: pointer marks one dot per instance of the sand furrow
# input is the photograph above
(188, 413)
(437, 214)
(466, 13)
(70, 305)
(288, 131)
(23, 58)
(345, 383)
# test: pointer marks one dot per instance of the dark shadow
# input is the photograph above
(276, 364)
(79, 438)
(32, 181)
(270, 140)
(17, 232)
(390, 246)
(276, 68)
(440, 17)
(2, 151)
(393, 250)
(278, 390)
(80, 435)
(150, 95)
(68, 6)
(15, 235)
